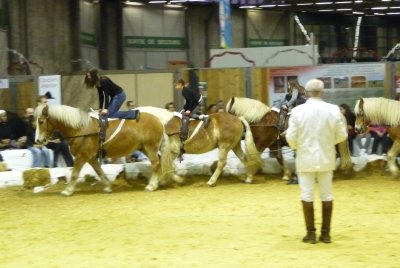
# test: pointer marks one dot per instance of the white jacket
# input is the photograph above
(315, 127)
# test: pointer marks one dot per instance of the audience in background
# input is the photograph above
(380, 136)
(212, 108)
(130, 105)
(12, 131)
(170, 106)
(351, 120)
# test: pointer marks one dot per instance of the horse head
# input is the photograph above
(43, 127)
(362, 121)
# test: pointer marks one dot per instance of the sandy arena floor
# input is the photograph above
(231, 225)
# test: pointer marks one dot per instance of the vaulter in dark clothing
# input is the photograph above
(193, 101)
(111, 96)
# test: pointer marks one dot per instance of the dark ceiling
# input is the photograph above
(346, 7)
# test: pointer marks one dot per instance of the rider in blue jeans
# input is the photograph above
(111, 96)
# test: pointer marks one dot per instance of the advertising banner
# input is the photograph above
(225, 23)
(344, 83)
(50, 86)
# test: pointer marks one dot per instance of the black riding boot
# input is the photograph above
(308, 210)
(327, 207)
(183, 134)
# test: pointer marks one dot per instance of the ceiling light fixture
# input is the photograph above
(268, 6)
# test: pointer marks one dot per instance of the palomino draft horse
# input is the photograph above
(122, 138)
(264, 126)
(223, 131)
(381, 111)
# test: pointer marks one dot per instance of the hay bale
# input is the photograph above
(36, 177)
(3, 166)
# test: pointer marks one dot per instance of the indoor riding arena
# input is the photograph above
(116, 191)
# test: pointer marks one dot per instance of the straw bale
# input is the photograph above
(36, 177)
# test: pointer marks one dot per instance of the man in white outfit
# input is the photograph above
(314, 129)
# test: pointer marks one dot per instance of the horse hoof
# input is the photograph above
(248, 181)
(107, 191)
(211, 184)
(178, 179)
(285, 178)
(150, 188)
(66, 193)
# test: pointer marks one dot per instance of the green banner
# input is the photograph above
(88, 39)
(154, 42)
(267, 42)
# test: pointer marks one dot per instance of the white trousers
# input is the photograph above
(307, 181)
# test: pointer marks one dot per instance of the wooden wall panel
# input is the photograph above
(260, 84)
(155, 89)
(222, 84)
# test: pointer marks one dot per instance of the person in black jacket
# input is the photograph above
(111, 96)
(193, 101)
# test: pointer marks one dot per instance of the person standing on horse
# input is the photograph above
(111, 96)
(314, 129)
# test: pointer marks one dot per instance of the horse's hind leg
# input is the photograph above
(242, 157)
(97, 168)
(152, 154)
(70, 189)
(223, 154)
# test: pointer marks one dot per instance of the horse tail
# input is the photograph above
(252, 154)
(345, 160)
(229, 105)
(166, 159)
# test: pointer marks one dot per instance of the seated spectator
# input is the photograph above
(130, 105)
(380, 135)
(40, 152)
(212, 108)
(364, 149)
(59, 145)
(170, 106)
(12, 131)
(351, 120)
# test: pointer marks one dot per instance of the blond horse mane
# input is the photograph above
(380, 110)
(162, 114)
(251, 110)
(69, 116)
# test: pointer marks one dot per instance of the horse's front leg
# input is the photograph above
(69, 190)
(223, 154)
(391, 158)
(97, 168)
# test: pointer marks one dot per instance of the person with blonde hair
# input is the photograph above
(314, 129)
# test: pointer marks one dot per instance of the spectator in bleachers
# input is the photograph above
(380, 136)
(130, 105)
(212, 108)
(351, 121)
(12, 131)
(39, 152)
(170, 106)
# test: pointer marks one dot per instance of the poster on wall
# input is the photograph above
(397, 80)
(50, 86)
(344, 83)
